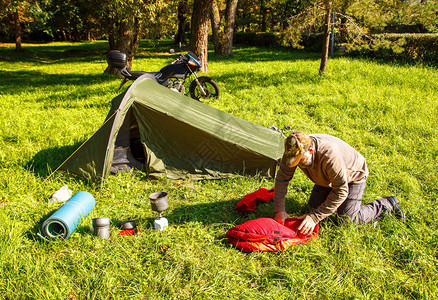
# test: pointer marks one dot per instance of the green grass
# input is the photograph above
(54, 96)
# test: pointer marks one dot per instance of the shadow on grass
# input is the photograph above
(65, 90)
(11, 80)
(219, 212)
(259, 54)
(96, 51)
(46, 161)
(239, 80)
(51, 52)
(34, 232)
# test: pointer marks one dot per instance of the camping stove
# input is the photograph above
(159, 203)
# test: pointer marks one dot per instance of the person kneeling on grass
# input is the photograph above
(339, 173)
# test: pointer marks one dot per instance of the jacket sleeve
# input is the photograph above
(337, 173)
(284, 175)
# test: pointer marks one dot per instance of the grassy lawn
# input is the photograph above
(54, 96)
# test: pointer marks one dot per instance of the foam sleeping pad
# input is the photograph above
(64, 221)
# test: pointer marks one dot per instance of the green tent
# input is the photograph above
(163, 133)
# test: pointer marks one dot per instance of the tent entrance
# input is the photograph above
(128, 150)
(137, 149)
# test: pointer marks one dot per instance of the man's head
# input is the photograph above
(295, 145)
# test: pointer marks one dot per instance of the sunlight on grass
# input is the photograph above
(55, 96)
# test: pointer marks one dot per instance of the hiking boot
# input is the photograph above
(397, 211)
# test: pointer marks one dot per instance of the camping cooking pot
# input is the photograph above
(159, 201)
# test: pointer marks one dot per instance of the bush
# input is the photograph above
(258, 38)
(405, 47)
(310, 42)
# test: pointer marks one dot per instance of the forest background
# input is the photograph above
(292, 23)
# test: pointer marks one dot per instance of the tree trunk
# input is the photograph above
(124, 44)
(17, 32)
(264, 14)
(326, 39)
(199, 31)
(127, 38)
(216, 27)
(230, 21)
(111, 37)
(182, 11)
(111, 41)
(136, 36)
(223, 39)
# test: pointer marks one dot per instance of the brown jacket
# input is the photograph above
(335, 164)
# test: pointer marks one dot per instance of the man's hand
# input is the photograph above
(307, 225)
(280, 216)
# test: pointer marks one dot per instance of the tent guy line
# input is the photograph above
(51, 174)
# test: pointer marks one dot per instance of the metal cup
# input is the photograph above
(101, 227)
(159, 201)
(128, 225)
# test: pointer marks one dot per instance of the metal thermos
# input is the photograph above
(101, 227)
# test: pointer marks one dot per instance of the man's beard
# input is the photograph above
(308, 159)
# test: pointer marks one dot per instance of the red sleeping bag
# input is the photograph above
(249, 202)
(266, 234)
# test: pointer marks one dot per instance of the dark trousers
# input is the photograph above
(352, 206)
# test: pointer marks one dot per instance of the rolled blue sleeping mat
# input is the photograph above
(63, 222)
